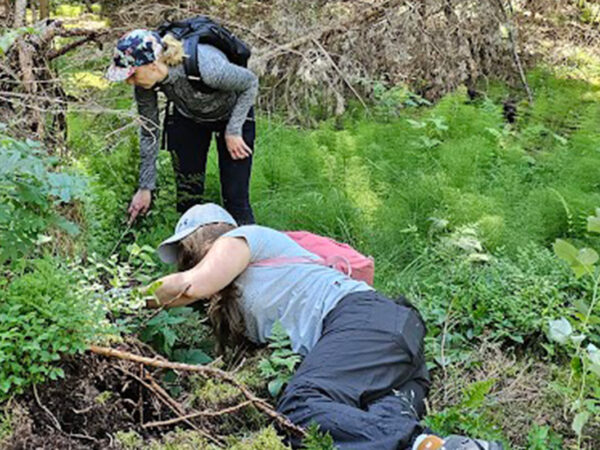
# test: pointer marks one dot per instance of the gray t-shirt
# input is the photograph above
(297, 294)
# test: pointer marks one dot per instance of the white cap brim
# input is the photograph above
(115, 73)
(168, 249)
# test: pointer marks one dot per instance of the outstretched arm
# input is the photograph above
(227, 258)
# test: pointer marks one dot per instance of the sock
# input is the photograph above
(428, 442)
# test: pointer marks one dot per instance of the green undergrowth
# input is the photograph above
(266, 438)
(458, 208)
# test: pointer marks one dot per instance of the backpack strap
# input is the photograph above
(329, 262)
(163, 137)
(190, 64)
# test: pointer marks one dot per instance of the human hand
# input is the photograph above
(238, 149)
(140, 203)
(168, 291)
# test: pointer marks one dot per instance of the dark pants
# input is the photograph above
(365, 380)
(189, 141)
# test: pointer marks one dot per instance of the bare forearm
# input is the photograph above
(172, 292)
(227, 258)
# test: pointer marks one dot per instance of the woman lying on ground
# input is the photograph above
(363, 378)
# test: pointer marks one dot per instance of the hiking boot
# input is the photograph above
(453, 442)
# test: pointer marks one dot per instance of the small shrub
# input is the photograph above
(503, 297)
(469, 417)
(161, 332)
(31, 190)
(279, 366)
(43, 317)
(543, 438)
(317, 440)
(579, 336)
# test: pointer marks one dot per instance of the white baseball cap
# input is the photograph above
(195, 217)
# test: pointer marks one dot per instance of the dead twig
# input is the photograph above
(507, 15)
(168, 402)
(67, 48)
(221, 412)
(52, 417)
(342, 75)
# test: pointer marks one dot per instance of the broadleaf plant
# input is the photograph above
(573, 334)
(279, 366)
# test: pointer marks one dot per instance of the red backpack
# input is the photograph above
(334, 254)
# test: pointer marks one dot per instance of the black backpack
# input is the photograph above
(203, 30)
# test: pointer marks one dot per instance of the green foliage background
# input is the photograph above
(458, 208)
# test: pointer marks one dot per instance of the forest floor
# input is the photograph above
(458, 206)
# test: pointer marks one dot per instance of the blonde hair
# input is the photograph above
(172, 54)
(224, 311)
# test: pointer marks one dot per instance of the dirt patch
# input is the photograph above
(82, 411)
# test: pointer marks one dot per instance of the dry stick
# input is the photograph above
(141, 394)
(369, 14)
(46, 410)
(67, 48)
(198, 414)
(164, 393)
(55, 421)
(513, 45)
(342, 75)
(442, 350)
(260, 404)
(169, 405)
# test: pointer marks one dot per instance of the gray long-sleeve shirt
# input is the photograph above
(236, 92)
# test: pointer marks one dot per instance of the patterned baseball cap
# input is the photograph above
(135, 48)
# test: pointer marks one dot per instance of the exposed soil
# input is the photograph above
(83, 410)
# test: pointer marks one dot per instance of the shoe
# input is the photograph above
(454, 442)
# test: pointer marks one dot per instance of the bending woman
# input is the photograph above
(363, 378)
(151, 63)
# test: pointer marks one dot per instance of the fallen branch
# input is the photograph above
(319, 35)
(507, 15)
(67, 48)
(342, 75)
(209, 372)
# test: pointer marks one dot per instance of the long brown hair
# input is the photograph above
(224, 311)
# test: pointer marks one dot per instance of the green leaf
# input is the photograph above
(416, 124)
(587, 256)
(581, 306)
(475, 393)
(275, 386)
(170, 338)
(593, 224)
(565, 251)
(579, 422)
(559, 330)
(191, 356)
(594, 356)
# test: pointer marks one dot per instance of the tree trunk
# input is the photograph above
(20, 9)
(5, 13)
(44, 9)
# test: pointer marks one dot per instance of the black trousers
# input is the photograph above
(189, 142)
(365, 380)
